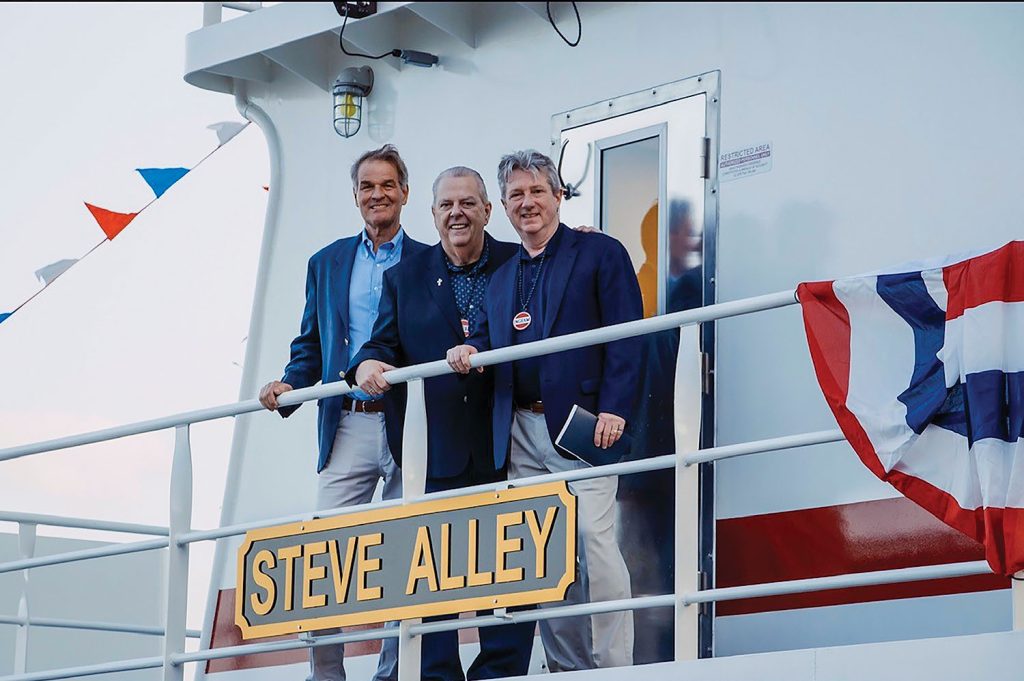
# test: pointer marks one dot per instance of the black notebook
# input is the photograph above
(577, 438)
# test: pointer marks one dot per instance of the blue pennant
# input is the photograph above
(161, 179)
(4, 315)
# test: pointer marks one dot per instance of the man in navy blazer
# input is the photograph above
(431, 302)
(343, 289)
(562, 282)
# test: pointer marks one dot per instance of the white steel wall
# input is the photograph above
(896, 136)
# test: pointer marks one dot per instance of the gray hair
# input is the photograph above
(531, 161)
(461, 171)
(388, 153)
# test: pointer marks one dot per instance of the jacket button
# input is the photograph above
(465, 399)
(346, 341)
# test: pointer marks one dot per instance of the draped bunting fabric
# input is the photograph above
(3, 316)
(161, 179)
(110, 222)
(53, 270)
(924, 371)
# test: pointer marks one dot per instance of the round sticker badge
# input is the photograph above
(521, 321)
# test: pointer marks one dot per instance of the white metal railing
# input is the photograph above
(27, 524)
(181, 535)
(213, 11)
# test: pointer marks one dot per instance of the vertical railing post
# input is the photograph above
(177, 555)
(686, 411)
(1018, 601)
(414, 482)
(211, 13)
(26, 549)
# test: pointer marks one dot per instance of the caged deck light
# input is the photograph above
(350, 89)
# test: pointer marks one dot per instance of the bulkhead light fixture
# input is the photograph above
(350, 89)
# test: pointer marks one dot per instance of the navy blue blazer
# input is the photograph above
(603, 291)
(320, 351)
(418, 322)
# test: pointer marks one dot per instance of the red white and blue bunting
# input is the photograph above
(113, 223)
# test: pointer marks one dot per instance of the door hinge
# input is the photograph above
(706, 372)
(705, 158)
(705, 583)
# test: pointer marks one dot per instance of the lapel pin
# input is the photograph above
(439, 281)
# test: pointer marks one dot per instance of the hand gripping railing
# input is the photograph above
(686, 592)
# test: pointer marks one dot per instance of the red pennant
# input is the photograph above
(110, 222)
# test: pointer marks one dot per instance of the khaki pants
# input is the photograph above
(604, 640)
(359, 459)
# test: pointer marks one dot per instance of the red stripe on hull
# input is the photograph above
(821, 542)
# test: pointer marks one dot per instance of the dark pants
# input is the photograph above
(504, 650)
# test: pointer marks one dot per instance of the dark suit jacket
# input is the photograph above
(591, 283)
(320, 351)
(418, 322)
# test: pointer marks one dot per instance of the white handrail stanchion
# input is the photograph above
(1018, 601)
(211, 13)
(686, 403)
(414, 483)
(26, 549)
(177, 554)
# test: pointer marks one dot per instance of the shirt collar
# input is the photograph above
(391, 245)
(471, 268)
(549, 249)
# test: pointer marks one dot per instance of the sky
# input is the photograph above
(149, 324)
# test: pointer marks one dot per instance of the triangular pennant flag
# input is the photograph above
(54, 270)
(4, 315)
(161, 179)
(226, 130)
(110, 222)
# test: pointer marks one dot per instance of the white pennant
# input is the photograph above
(226, 130)
(54, 270)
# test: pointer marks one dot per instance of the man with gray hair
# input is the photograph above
(429, 303)
(343, 290)
(530, 298)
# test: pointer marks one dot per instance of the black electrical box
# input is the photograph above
(356, 10)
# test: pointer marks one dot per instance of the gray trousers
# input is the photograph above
(604, 640)
(359, 458)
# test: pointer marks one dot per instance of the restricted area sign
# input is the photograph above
(489, 550)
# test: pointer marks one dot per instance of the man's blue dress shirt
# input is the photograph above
(364, 290)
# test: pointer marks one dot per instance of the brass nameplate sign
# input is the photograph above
(489, 550)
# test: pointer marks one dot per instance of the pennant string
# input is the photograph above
(113, 223)
(47, 285)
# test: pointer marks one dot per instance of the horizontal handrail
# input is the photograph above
(55, 623)
(762, 446)
(242, 528)
(876, 577)
(275, 646)
(663, 462)
(593, 608)
(546, 346)
(639, 603)
(90, 670)
(85, 554)
(655, 463)
(81, 523)
(914, 574)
